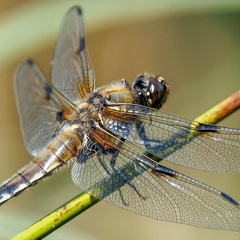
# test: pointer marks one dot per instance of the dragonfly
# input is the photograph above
(115, 136)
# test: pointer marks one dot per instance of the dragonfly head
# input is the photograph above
(152, 90)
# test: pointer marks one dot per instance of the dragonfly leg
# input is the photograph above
(162, 148)
(123, 177)
(120, 173)
(105, 168)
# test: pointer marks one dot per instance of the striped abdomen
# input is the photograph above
(58, 152)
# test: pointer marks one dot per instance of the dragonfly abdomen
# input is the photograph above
(65, 146)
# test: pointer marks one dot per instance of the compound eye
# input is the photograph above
(157, 92)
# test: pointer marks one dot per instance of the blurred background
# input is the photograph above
(194, 45)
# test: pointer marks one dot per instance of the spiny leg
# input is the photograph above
(118, 172)
(99, 154)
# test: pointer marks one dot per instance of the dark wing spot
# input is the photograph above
(30, 61)
(230, 199)
(207, 128)
(59, 116)
(82, 44)
(48, 90)
(161, 170)
(79, 10)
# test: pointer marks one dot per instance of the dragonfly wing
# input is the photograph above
(38, 106)
(176, 139)
(72, 72)
(140, 185)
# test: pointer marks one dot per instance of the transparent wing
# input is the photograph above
(138, 184)
(72, 71)
(176, 139)
(38, 106)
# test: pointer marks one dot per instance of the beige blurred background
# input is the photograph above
(195, 46)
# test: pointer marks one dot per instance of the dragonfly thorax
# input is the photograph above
(88, 113)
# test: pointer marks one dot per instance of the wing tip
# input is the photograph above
(78, 9)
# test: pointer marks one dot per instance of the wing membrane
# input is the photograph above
(141, 186)
(176, 139)
(38, 106)
(72, 71)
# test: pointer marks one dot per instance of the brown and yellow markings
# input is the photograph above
(119, 115)
(84, 89)
(69, 116)
(67, 113)
(104, 139)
